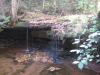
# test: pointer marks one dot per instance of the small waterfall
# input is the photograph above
(27, 40)
(54, 52)
(52, 48)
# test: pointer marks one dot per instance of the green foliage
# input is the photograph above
(86, 6)
(48, 7)
(81, 65)
(91, 26)
(66, 6)
(4, 21)
(88, 50)
(59, 6)
(98, 24)
(76, 24)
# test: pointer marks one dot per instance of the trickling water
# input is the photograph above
(52, 47)
(55, 49)
(27, 42)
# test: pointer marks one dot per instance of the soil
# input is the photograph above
(9, 67)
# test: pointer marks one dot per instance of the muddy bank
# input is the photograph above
(8, 67)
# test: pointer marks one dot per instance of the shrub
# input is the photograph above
(88, 51)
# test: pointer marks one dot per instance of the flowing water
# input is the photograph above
(27, 38)
(51, 47)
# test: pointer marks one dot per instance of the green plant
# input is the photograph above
(4, 21)
(88, 50)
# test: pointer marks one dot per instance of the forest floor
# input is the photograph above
(9, 67)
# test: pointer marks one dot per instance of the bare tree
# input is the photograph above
(98, 5)
(2, 6)
(55, 5)
(43, 4)
(14, 9)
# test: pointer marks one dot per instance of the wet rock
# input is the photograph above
(53, 68)
(56, 69)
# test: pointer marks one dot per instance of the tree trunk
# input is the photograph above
(14, 10)
(55, 6)
(98, 5)
(43, 4)
(2, 7)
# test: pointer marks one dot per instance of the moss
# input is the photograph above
(22, 24)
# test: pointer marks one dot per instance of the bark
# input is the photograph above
(14, 10)
(2, 7)
(43, 4)
(55, 6)
(98, 5)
